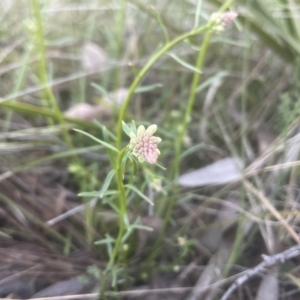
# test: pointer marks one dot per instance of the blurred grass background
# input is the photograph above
(65, 63)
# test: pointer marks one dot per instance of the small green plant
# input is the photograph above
(143, 147)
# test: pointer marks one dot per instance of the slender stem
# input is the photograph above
(122, 208)
(144, 71)
(152, 61)
(225, 5)
(118, 49)
(186, 119)
(182, 131)
(122, 214)
(18, 84)
(179, 141)
(42, 69)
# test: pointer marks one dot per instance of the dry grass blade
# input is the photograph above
(19, 274)
(273, 210)
(276, 167)
(211, 275)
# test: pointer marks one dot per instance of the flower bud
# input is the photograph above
(222, 20)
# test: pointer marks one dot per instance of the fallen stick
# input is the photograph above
(268, 261)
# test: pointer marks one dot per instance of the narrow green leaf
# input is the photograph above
(97, 140)
(210, 80)
(148, 88)
(127, 234)
(107, 240)
(197, 14)
(133, 126)
(185, 64)
(101, 126)
(132, 187)
(99, 88)
(114, 206)
(126, 221)
(89, 194)
(142, 227)
(107, 182)
(111, 155)
(97, 194)
(134, 165)
(124, 161)
(192, 150)
(41, 111)
(160, 166)
(126, 128)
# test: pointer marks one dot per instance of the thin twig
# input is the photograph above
(268, 262)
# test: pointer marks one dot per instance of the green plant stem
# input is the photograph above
(42, 71)
(182, 131)
(18, 84)
(120, 29)
(39, 44)
(178, 147)
(18, 106)
(122, 207)
(146, 68)
(187, 117)
(152, 61)
(122, 214)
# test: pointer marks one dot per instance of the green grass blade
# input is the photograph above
(132, 187)
(98, 141)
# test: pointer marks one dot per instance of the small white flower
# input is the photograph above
(144, 145)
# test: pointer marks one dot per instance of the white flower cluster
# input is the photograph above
(144, 145)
